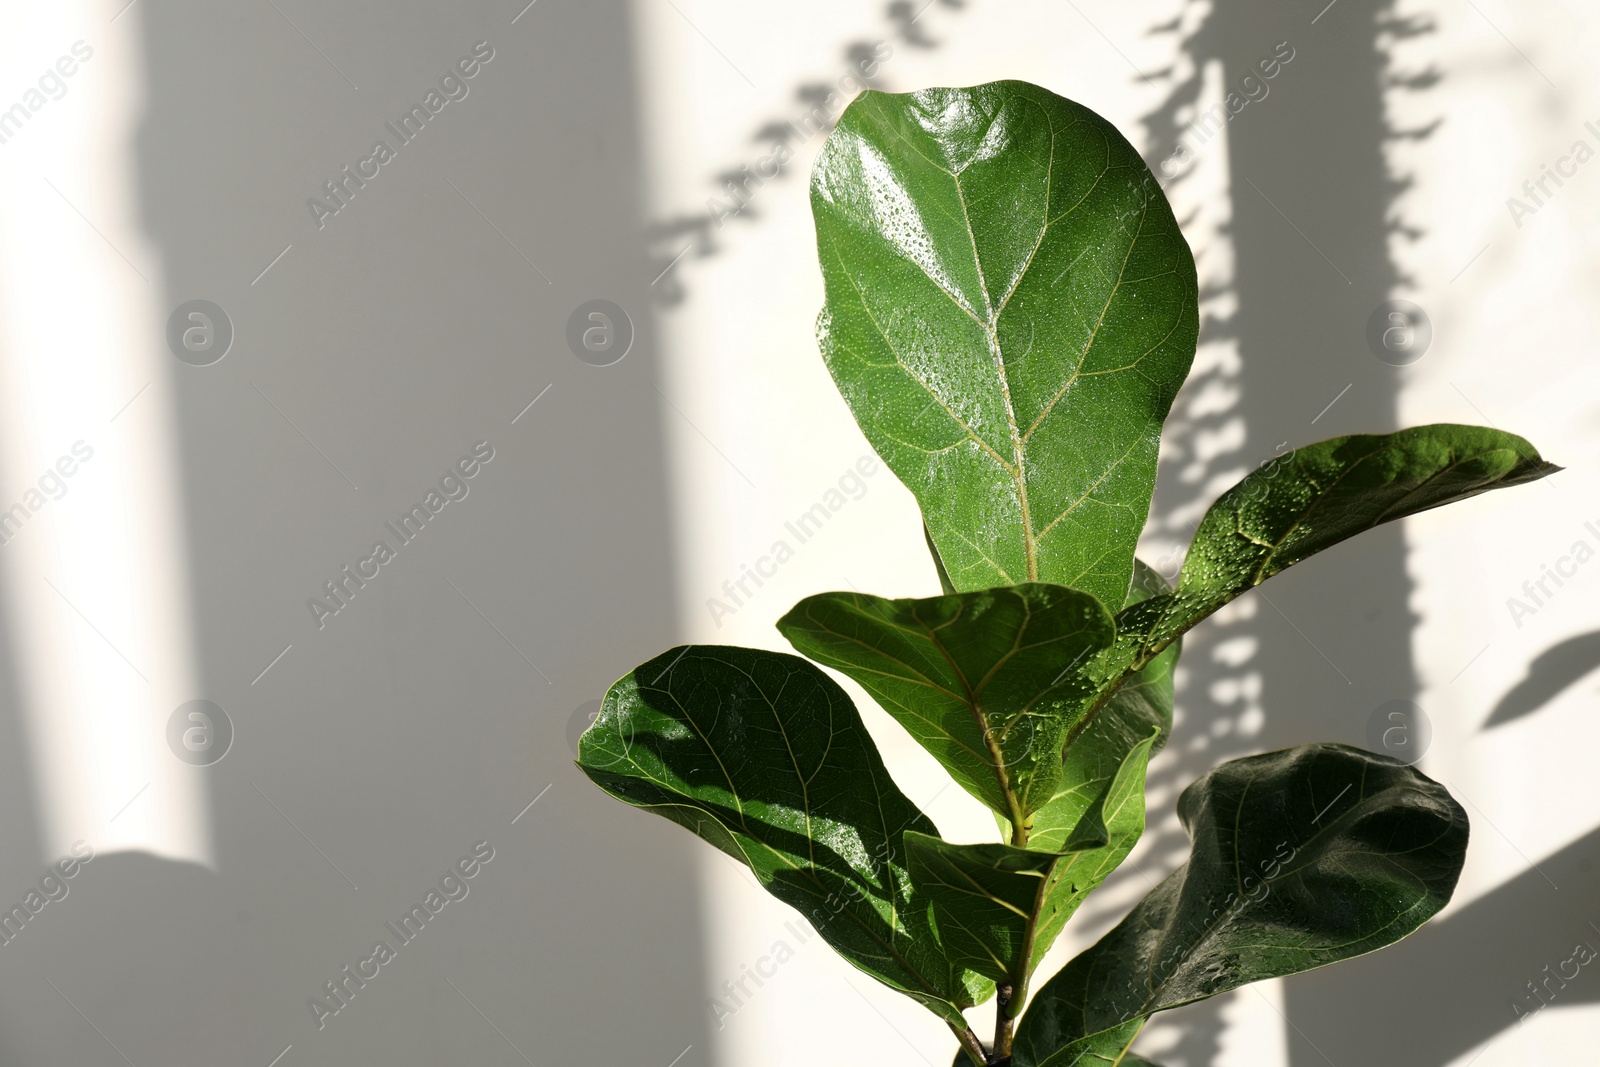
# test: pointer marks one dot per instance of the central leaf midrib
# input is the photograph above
(991, 328)
(991, 332)
(997, 756)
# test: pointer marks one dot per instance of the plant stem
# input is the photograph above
(1002, 1024)
(970, 1042)
(1104, 698)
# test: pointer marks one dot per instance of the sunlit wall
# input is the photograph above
(1443, 111)
(96, 589)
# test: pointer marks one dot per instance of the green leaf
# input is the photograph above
(1300, 858)
(764, 756)
(1313, 498)
(984, 897)
(1142, 704)
(1117, 816)
(999, 908)
(989, 682)
(1106, 1049)
(1010, 310)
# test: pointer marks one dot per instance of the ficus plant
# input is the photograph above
(1010, 310)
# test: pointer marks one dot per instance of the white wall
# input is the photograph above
(1292, 263)
(372, 351)
(375, 749)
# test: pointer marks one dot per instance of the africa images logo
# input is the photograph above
(452, 87)
(341, 989)
(341, 589)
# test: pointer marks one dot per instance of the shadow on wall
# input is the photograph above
(1283, 362)
(777, 141)
(388, 341)
(1468, 979)
(20, 845)
(1490, 967)
(1556, 669)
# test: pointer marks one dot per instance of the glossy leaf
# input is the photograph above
(1118, 816)
(1313, 498)
(989, 682)
(1010, 308)
(1000, 907)
(1300, 858)
(984, 898)
(1109, 1049)
(1142, 703)
(765, 757)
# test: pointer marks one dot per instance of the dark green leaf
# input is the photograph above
(1106, 1049)
(765, 757)
(1010, 310)
(1313, 498)
(984, 898)
(989, 682)
(1300, 858)
(999, 907)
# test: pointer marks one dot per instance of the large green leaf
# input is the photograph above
(999, 907)
(1300, 858)
(1313, 498)
(764, 756)
(1010, 310)
(989, 682)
